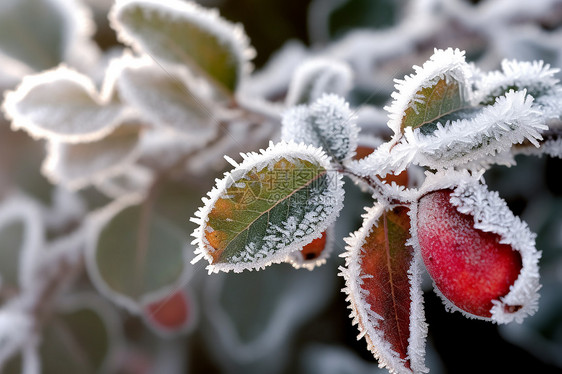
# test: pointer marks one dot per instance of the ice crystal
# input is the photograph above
(310, 219)
(328, 123)
(366, 319)
(491, 214)
(446, 64)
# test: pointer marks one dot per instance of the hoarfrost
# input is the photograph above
(320, 210)
(536, 77)
(328, 123)
(491, 214)
(61, 104)
(369, 321)
(231, 36)
(443, 64)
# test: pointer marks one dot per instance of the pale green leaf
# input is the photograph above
(137, 252)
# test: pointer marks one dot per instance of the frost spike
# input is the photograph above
(272, 204)
(380, 245)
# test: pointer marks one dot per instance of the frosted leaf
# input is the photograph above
(258, 339)
(383, 286)
(185, 33)
(167, 98)
(273, 203)
(492, 130)
(316, 77)
(15, 329)
(155, 262)
(536, 77)
(328, 123)
(444, 76)
(78, 165)
(26, 213)
(63, 105)
(491, 214)
(314, 253)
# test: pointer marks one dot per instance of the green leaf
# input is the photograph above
(431, 103)
(81, 337)
(384, 289)
(270, 205)
(185, 33)
(137, 252)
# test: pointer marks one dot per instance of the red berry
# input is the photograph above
(469, 266)
(314, 249)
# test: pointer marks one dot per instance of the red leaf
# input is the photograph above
(382, 281)
(169, 314)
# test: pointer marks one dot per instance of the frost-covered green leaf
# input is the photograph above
(133, 251)
(185, 33)
(77, 165)
(268, 206)
(278, 304)
(165, 98)
(438, 88)
(61, 104)
(328, 123)
(536, 77)
(491, 131)
(316, 77)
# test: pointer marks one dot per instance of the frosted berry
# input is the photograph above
(470, 267)
(314, 249)
(169, 313)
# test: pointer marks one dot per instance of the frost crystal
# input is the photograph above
(493, 130)
(328, 123)
(491, 214)
(444, 64)
(536, 77)
(368, 321)
(307, 221)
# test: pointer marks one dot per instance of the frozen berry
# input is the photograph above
(470, 267)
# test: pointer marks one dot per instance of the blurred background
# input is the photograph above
(279, 320)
